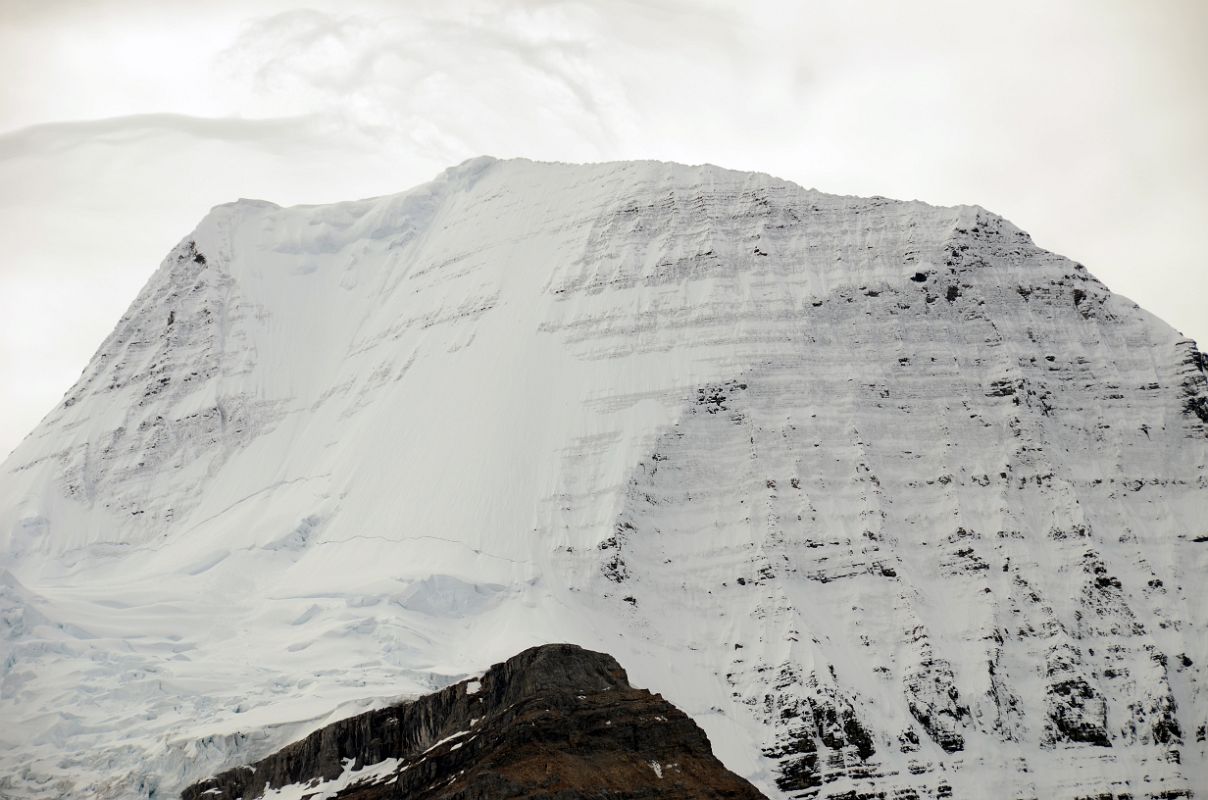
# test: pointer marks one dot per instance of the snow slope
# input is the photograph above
(883, 495)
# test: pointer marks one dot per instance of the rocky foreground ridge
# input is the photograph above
(555, 721)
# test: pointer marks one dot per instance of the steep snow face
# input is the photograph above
(886, 497)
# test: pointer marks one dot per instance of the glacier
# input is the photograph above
(890, 500)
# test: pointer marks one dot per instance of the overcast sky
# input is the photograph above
(123, 121)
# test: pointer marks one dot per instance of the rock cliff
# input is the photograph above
(555, 721)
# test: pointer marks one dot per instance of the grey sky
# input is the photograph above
(123, 122)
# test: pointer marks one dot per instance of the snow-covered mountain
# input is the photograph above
(890, 500)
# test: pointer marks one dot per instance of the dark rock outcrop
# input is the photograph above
(555, 721)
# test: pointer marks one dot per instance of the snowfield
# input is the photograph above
(883, 495)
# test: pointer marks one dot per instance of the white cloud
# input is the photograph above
(449, 85)
(49, 138)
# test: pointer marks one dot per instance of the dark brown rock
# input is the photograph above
(555, 721)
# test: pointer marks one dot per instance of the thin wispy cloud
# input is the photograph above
(55, 137)
(446, 84)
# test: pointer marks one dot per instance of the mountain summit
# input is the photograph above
(891, 501)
